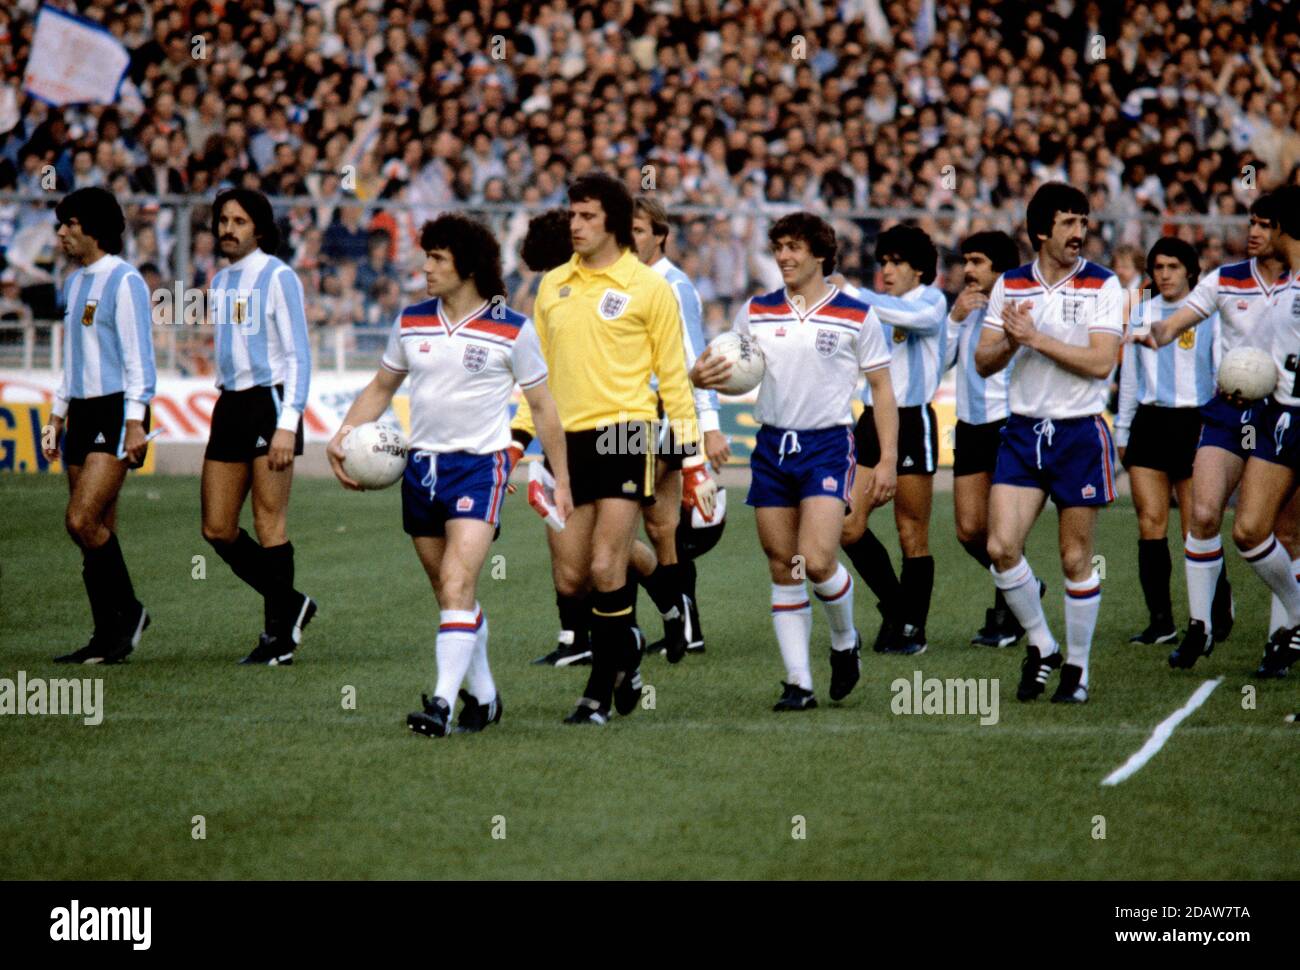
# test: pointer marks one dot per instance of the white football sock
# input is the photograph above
(1276, 614)
(1272, 564)
(1019, 588)
(1082, 601)
(457, 635)
(836, 595)
(1204, 559)
(792, 620)
(481, 684)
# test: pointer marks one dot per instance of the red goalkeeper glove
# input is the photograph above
(515, 453)
(699, 489)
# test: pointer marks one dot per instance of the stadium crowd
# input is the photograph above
(957, 108)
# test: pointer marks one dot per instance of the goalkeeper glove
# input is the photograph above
(515, 454)
(541, 495)
(699, 490)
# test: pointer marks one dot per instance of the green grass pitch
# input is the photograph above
(708, 784)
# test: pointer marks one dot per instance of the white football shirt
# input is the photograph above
(1242, 299)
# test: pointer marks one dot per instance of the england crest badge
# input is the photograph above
(612, 304)
(475, 358)
(828, 341)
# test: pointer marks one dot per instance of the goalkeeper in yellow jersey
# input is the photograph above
(606, 322)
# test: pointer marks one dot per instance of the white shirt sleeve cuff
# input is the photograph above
(135, 410)
(709, 421)
(288, 419)
(60, 408)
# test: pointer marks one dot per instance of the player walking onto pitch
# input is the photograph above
(104, 395)
(464, 350)
(606, 322)
(1057, 322)
(912, 313)
(1158, 423)
(1242, 293)
(1269, 480)
(982, 412)
(667, 576)
(263, 370)
(815, 340)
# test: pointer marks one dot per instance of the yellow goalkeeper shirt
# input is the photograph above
(603, 333)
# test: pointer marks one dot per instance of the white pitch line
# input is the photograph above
(1161, 734)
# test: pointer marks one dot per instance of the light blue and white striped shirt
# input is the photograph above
(692, 310)
(257, 308)
(914, 332)
(107, 337)
(980, 400)
(1181, 374)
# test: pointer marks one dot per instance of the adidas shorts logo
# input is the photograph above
(261, 442)
(99, 439)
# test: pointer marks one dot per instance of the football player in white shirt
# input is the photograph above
(108, 382)
(1269, 480)
(464, 350)
(1158, 424)
(1057, 322)
(1242, 294)
(815, 340)
(981, 414)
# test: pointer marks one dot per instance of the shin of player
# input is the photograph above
(813, 336)
(912, 314)
(1241, 294)
(1158, 423)
(1269, 480)
(103, 397)
(1060, 318)
(263, 357)
(981, 414)
(464, 350)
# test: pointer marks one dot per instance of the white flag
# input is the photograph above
(74, 61)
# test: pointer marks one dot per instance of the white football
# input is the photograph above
(741, 351)
(1247, 371)
(374, 455)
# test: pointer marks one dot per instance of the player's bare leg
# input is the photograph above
(1151, 490)
(1215, 474)
(1266, 488)
(1287, 530)
(571, 577)
(970, 502)
(871, 560)
(665, 581)
(778, 534)
(1075, 530)
(1013, 509)
(89, 518)
(912, 503)
(820, 530)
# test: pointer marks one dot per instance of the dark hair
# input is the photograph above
(813, 230)
(1265, 207)
(474, 250)
(1179, 250)
(98, 213)
(547, 243)
(265, 231)
(1051, 198)
(1000, 248)
(1286, 208)
(908, 244)
(613, 197)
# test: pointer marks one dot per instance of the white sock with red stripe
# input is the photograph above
(1276, 613)
(481, 684)
(792, 620)
(1203, 562)
(836, 595)
(1272, 564)
(1082, 602)
(1019, 588)
(457, 636)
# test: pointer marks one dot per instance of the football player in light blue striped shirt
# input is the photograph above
(912, 315)
(263, 370)
(982, 411)
(1158, 424)
(108, 382)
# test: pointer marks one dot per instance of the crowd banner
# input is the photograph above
(74, 61)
